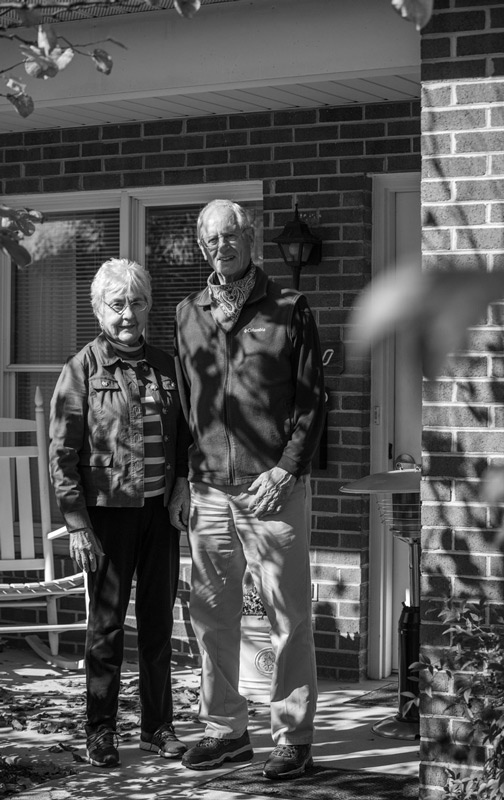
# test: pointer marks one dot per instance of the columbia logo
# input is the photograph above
(254, 330)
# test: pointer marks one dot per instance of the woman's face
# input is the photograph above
(123, 316)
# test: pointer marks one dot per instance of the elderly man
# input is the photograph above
(250, 378)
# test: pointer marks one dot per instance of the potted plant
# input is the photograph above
(257, 658)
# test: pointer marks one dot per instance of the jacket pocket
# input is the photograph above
(103, 384)
(96, 472)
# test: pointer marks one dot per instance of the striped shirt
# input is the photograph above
(154, 457)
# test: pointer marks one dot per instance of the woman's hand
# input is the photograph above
(84, 547)
(178, 506)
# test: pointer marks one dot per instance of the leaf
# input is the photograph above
(19, 219)
(187, 8)
(16, 85)
(38, 65)
(22, 258)
(62, 58)
(417, 11)
(46, 39)
(430, 310)
(103, 61)
(34, 214)
(23, 103)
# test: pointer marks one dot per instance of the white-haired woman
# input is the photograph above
(118, 447)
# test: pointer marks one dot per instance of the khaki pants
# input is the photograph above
(224, 538)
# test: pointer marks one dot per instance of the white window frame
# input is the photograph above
(132, 204)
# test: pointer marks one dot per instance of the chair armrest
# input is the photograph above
(58, 532)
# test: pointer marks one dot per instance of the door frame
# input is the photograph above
(385, 189)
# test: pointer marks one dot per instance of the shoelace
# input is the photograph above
(104, 736)
(208, 741)
(287, 750)
(167, 734)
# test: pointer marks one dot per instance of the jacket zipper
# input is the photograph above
(230, 469)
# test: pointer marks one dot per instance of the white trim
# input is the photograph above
(5, 326)
(34, 367)
(65, 201)
(385, 188)
(148, 195)
(198, 193)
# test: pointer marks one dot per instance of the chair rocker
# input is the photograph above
(26, 545)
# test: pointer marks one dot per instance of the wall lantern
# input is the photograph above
(298, 246)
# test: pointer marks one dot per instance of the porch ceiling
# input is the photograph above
(375, 89)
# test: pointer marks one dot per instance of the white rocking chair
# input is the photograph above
(21, 549)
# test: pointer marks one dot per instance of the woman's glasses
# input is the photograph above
(136, 306)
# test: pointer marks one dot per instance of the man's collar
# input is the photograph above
(204, 298)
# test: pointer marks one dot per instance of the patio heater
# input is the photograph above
(398, 497)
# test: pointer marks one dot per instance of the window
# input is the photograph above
(50, 306)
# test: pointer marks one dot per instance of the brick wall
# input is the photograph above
(323, 159)
(462, 181)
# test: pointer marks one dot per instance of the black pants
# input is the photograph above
(141, 540)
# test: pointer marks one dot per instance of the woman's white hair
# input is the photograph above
(119, 274)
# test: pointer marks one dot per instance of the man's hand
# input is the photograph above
(271, 488)
(84, 547)
(178, 506)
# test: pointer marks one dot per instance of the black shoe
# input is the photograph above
(100, 747)
(163, 742)
(288, 761)
(210, 753)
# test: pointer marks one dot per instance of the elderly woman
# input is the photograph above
(118, 449)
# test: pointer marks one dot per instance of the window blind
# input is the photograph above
(51, 309)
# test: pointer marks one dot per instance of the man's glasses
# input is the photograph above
(136, 306)
(226, 238)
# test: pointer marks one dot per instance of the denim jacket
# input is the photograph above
(253, 396)
(96, 449)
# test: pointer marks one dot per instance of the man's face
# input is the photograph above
(226, 248)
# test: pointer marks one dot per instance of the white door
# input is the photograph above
(396, 424)
(407, 395)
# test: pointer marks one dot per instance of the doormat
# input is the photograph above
(319, 783)
(384, 696)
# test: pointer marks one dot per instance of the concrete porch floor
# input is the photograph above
(344, 740)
